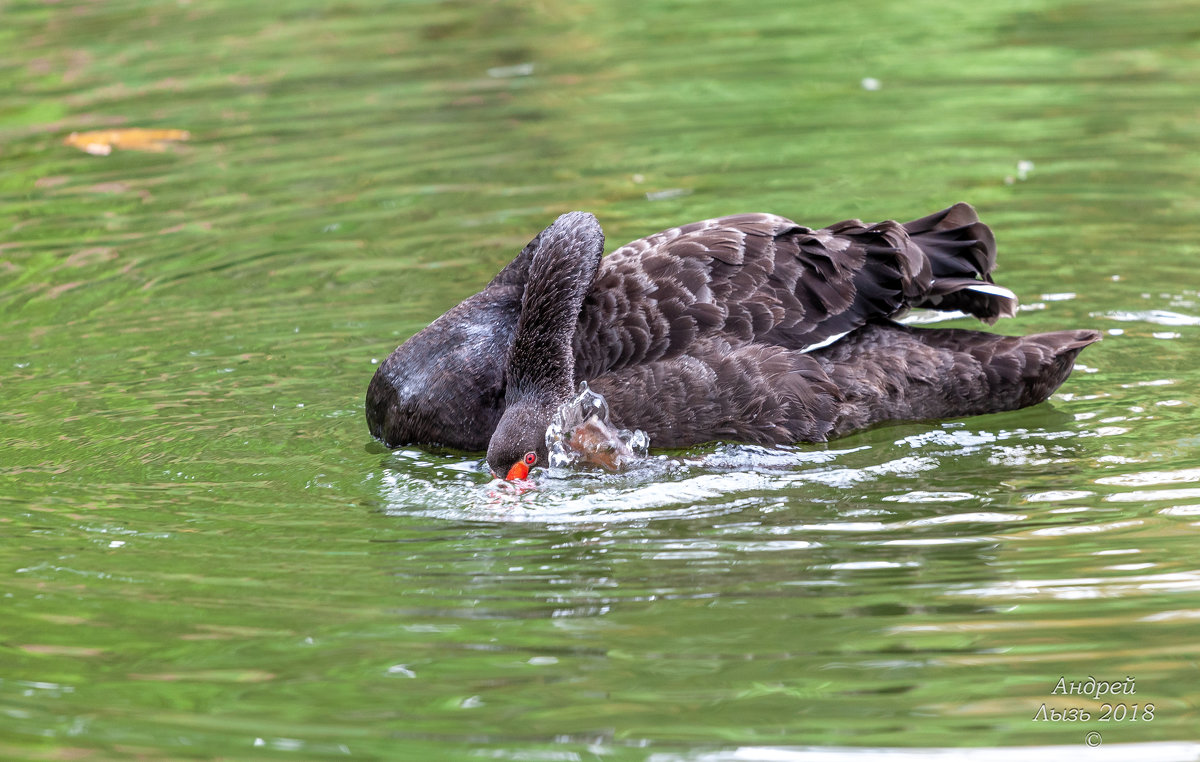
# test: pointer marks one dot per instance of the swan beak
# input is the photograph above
(518, 471)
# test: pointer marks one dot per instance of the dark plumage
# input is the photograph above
(748, 328)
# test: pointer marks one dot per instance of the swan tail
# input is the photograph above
(961, 252)
(932, 373)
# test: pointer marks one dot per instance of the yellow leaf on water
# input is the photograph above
(102, 142)
(207, 675)
(50, 650)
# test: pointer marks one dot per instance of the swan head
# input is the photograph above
(519, 442)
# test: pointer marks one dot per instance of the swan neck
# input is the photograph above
(541, 361)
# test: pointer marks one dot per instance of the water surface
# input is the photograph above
(203, 554)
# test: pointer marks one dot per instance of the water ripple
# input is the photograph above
(659, 487)
(1157, 317)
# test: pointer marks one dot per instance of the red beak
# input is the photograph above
(518, 471)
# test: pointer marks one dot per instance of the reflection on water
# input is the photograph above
(203, 555)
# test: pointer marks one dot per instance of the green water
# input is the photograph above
(204, 555)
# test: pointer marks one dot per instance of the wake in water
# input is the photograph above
(718, 479)
(711, 481)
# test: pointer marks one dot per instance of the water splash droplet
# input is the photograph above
(582, 433)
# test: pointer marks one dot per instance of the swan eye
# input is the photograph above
(530, 458)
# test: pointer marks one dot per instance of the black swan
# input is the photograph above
(748, 328)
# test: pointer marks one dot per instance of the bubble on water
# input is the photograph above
(582, 432)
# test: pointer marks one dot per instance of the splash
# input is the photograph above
(581, 433)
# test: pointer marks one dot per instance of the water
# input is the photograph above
(203, 554)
